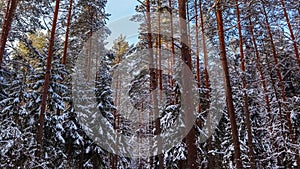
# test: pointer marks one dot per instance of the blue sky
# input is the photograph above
(121, 11)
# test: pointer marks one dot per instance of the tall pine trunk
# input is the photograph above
(228, 90)
(159, 74)
(153, 83)
(291, 32)
(264, 85)
(281, 85)
(186, 58)
(244, 86)
(172, 43)
(47, 81)
(211, 163)
(64, 58)
(8, 19)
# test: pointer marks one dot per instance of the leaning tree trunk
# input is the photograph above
(230, 107)
(264, 85)
(291, 32)
(8, 19)
(40, 131)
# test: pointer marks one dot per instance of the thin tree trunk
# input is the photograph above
(186, 57)
(244, 85)
(262, 76)
(47, 81)
(114, 157)
(197, 45)
(261, 73)
(276, 94)
(274, 53)
(281, 85)
(207, 86)
(188, 24)
(172, 46)
(157, 120)
(204, 46)
(8, 19)
(180, 162)
(291, 32)
(153, 83)
(64, 58)
(230, 106)
(89, 48)
(264, 85)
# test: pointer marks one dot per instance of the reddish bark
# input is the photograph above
(244, 85)
(291, 32)
(185, 50)
(188, 24)
(197, 44)
(264, 83)
(230, 107)
(8, 19)
(153, 82)
(40, 132)
(64, 58)
(172, 44)
(260, 70)
(159, 72)
(281, 85)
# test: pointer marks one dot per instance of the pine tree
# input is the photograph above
(229, 100)
(11, 7)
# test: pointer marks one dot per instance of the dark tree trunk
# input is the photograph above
(8, 19)
(230, 107)
(47, 81)
(64, 58)
(153, 82)
(187, 59)
(159, 74)
(292, 34)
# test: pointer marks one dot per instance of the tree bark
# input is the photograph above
(281, 85)
(204, 46)
(244, 86)
(153, 82)
(8, 19)
(186, 58)
(47, 81)
(230, 106)
(64, 58)
(211, 163)
(291, 32)
(157, 119)
(172, 45)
